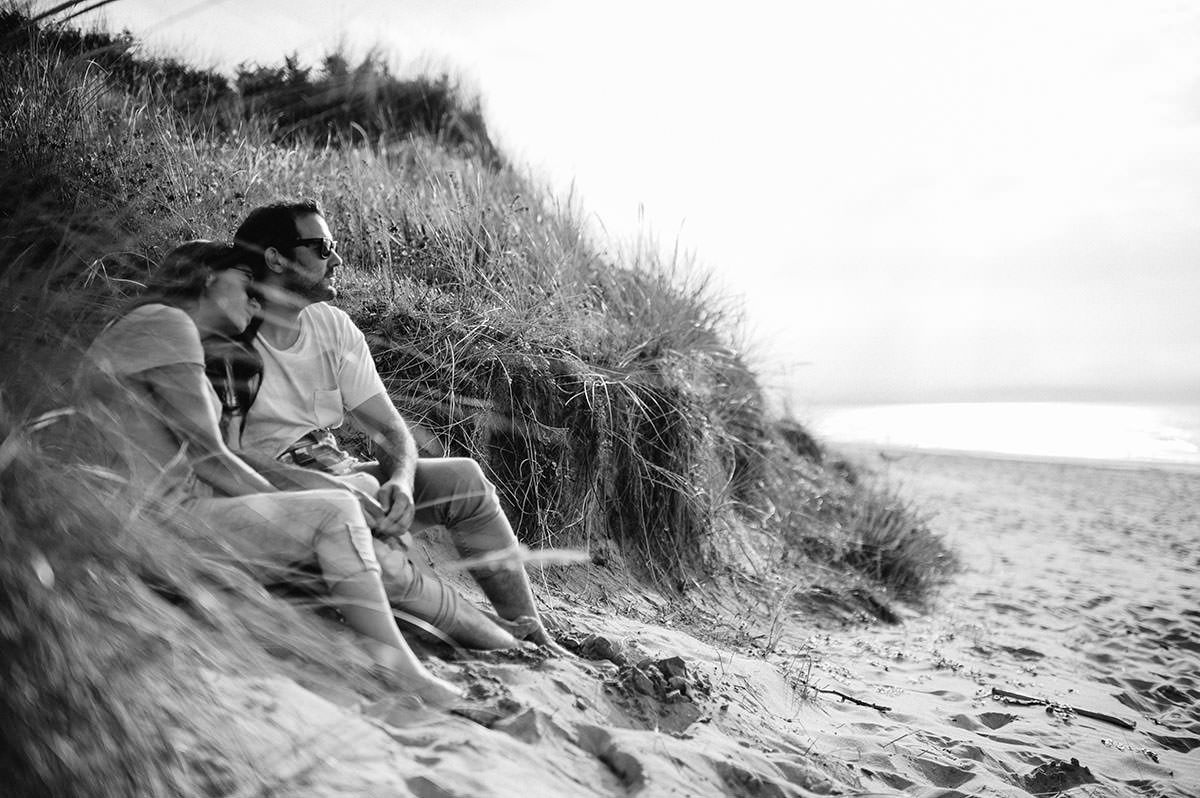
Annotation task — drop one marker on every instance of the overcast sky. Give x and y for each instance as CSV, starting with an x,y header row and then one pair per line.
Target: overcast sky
x,y
915,201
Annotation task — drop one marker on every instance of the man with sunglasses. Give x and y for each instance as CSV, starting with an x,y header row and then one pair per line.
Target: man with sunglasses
x,y
317,372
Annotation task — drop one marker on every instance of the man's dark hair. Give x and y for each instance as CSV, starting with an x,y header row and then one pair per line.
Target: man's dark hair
x,y
274,225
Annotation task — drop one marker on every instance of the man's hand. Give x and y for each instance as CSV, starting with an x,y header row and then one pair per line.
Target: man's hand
x,y
397,455
397,502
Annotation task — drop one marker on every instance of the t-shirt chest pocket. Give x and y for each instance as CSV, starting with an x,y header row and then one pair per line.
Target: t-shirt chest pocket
x,y
327,406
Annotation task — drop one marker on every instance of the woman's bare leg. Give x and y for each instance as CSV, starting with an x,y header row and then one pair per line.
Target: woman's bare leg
x,y
271,530
426,597
363,603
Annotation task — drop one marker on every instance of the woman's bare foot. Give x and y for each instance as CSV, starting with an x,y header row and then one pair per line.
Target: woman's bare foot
x,y
437,692
415,680
427,690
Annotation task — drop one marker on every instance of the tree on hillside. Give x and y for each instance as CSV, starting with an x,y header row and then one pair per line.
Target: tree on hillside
x,y
368,98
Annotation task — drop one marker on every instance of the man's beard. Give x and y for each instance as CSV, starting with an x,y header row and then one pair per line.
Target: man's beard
x,y
322,290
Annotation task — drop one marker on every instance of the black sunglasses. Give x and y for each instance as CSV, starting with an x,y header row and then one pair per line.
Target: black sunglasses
x,y
324,247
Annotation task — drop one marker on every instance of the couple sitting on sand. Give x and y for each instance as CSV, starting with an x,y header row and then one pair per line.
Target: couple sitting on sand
x,y
289,494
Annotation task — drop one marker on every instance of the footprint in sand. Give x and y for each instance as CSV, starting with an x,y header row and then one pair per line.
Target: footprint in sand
x,y
996,720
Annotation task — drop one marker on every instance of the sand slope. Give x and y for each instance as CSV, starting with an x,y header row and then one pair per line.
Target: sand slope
x,y
1080,589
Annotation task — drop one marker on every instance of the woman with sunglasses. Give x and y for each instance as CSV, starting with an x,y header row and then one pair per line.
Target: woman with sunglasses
x,y
146,377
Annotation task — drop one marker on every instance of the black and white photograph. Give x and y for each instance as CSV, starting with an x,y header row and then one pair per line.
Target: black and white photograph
x,y
469,399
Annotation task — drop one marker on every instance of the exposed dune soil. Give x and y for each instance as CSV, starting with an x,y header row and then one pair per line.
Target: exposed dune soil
x,y
1079,592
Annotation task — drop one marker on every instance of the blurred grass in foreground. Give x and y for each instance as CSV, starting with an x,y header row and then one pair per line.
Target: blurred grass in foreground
x,y
606,395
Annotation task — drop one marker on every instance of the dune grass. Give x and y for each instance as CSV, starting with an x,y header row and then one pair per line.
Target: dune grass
x,y
604,394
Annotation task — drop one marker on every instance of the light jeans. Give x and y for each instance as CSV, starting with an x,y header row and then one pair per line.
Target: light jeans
x,y
269,532
451,492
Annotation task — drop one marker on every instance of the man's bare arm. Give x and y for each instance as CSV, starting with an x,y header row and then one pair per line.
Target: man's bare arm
x,y
395,447
397,454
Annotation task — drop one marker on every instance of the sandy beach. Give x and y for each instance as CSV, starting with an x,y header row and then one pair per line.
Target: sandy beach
x,y
1079,590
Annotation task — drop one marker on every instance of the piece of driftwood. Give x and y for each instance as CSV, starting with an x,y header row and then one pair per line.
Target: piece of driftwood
x,y
851,699
1087,713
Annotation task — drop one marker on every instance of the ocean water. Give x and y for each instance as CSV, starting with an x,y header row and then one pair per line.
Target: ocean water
x,y
1126,433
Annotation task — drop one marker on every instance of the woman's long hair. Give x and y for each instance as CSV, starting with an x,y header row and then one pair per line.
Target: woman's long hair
x,y
184,273
233,366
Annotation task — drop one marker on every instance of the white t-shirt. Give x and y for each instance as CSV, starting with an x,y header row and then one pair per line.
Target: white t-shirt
x,y
311,384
